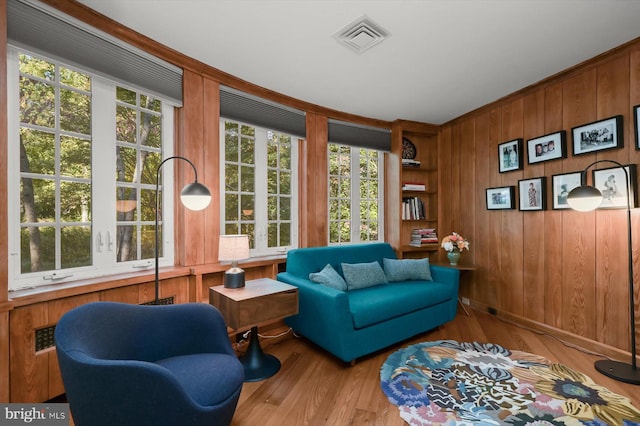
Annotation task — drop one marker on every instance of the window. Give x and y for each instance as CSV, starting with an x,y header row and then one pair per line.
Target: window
x,y
355,195
138,142
82,200
259,195
55,167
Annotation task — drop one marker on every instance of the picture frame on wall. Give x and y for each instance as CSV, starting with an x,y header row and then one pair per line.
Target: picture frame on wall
x,y
532,194
561,185
510,156
611,182
501,198
547,147
636,127
598,136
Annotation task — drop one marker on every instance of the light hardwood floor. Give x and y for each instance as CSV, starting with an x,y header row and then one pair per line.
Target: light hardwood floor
x,y
315,388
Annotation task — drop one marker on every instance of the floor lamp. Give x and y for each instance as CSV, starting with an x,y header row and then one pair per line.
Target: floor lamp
x,y
586,198
194,196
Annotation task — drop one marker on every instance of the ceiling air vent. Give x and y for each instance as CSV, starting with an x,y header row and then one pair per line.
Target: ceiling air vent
x,y
361,34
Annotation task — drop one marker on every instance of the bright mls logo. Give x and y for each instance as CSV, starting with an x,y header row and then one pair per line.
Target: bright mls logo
x,y
36,414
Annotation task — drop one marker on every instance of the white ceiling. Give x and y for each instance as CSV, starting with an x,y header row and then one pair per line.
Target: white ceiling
x,y
443,58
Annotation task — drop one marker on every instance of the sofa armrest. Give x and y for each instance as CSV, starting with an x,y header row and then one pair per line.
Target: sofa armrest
x,y
443,274
320,308
321,293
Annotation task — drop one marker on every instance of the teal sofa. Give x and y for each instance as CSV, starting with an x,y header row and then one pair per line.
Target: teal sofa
x,y
353,323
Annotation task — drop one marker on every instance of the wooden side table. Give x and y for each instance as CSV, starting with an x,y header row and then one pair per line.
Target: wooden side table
x,y
259,302
462,267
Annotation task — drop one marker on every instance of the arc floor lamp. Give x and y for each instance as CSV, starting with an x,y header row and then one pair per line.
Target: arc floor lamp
x,y
194,196
586,198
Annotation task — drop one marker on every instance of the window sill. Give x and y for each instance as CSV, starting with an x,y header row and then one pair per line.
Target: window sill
x,y
73,288
49,292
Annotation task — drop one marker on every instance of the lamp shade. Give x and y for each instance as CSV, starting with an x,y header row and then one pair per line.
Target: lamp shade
x,y
584,198
233,247
195,196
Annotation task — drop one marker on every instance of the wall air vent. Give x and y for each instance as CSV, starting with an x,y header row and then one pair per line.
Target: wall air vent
x,y
44,338
361,34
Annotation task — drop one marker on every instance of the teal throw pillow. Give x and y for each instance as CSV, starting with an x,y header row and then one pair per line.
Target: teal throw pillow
x,y
363,275
407,269
329,277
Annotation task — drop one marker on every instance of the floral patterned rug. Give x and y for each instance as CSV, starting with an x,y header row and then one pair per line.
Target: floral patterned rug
x,y
451,383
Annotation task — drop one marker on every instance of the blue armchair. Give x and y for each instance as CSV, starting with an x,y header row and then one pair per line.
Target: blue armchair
x,y
138,365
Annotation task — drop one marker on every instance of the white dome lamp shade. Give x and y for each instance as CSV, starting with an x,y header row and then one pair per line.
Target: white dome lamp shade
x,y
195,196
584,198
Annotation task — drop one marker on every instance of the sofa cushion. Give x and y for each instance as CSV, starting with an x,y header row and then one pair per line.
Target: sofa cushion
x,y
329,277
407,269
383,302
363,275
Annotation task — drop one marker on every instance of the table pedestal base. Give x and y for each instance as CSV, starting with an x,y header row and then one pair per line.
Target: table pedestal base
x,y
258,365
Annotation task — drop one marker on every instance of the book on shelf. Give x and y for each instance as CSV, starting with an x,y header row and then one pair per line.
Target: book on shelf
x,y
407,162
422,236
413,186
413,208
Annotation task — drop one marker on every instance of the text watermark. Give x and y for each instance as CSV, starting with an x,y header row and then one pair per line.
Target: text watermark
x,y
45,414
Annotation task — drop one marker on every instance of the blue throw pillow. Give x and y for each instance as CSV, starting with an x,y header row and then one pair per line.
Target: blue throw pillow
x,y
329,277
407,269
363,275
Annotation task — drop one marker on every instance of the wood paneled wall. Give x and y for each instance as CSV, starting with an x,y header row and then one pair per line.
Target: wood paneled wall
x,y
314,223
559,268
200,142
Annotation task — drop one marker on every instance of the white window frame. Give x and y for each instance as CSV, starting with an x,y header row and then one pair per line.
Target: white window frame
x,y
166,190
355,199
103,217
261,191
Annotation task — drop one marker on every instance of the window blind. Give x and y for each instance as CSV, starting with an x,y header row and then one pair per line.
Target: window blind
x,y
47,31
241,106
345,133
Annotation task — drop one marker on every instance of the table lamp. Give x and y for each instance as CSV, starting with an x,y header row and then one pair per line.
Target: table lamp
x,y
233,248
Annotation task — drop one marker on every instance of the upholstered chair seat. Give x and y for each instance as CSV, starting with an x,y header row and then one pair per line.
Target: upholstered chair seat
x,y
137,365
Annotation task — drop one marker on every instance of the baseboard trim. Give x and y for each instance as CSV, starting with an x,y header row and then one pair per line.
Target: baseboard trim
x,y
583,343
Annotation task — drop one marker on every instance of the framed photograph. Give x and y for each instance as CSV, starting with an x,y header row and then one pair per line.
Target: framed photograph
x,y
636,127
561,186
532,194
510,156
611,182
501,198
598,136
547,147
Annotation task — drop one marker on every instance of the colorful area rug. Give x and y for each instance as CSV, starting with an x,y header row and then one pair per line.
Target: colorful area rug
x,y
451,383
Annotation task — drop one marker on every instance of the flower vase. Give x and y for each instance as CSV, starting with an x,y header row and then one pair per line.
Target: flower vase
x,y
454,257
